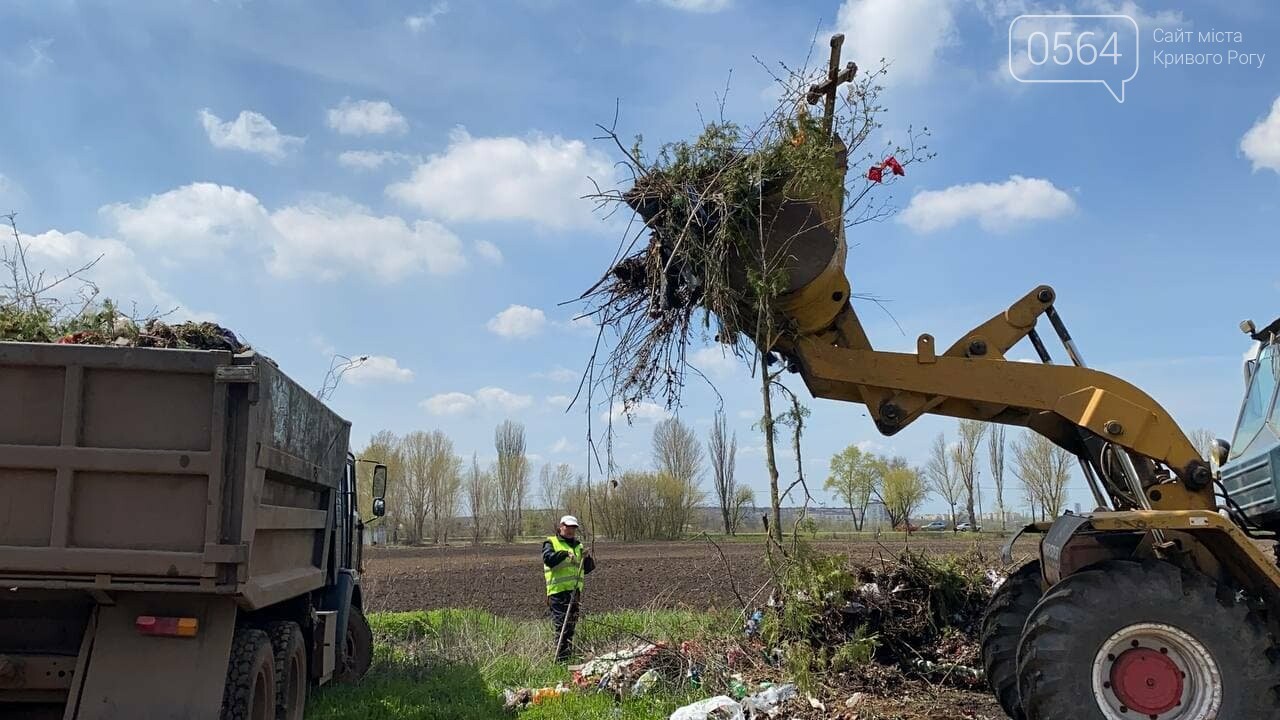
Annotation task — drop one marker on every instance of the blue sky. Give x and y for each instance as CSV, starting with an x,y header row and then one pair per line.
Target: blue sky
x,y
401,180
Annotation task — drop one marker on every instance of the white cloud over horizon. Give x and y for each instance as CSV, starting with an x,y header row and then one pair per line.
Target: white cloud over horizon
x,y
366,117
910,34
1261,144
377,369
250,132
539,179
517,321
995,206
486,398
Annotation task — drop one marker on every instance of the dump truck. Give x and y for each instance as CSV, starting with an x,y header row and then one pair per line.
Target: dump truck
x,y
179,536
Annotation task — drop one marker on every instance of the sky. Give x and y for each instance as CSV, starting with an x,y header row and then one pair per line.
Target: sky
x,y
402,180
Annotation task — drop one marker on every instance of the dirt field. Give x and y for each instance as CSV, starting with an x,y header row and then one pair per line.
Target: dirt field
x,y
507,579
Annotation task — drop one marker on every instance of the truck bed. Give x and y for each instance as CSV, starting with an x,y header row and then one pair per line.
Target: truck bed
x,y
147,469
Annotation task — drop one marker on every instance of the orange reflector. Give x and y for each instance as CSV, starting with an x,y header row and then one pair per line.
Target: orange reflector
x,y
167,626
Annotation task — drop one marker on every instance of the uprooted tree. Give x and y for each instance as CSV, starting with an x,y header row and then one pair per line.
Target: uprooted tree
x,y
715,253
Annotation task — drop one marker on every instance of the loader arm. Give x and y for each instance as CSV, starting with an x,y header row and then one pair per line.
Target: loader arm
x,y
1077,408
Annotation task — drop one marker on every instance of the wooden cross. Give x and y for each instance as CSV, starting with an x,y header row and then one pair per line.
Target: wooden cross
x,y
835,78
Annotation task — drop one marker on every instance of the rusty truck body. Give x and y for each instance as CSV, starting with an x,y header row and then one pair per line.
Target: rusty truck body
x,y
179,536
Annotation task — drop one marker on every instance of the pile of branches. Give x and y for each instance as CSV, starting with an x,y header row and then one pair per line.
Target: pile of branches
x,y
916,614
706,264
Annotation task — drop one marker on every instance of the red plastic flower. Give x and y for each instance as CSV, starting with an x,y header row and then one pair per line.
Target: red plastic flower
x,y
894,165
875,174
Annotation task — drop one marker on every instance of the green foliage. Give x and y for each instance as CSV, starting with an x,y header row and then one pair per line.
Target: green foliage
x,y
43,324
454,664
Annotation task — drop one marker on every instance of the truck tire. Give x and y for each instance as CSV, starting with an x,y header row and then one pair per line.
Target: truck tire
x,y
292,680
250,692
1002,629
357,653
1129,641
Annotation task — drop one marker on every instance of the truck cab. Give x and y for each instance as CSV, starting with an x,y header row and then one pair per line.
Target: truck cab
x,y
1253,458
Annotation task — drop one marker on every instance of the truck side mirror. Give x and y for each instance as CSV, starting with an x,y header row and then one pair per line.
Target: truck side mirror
x,y
379,507
1219,452
379,482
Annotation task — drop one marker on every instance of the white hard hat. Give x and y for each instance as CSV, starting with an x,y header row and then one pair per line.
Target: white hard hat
x,y
569,520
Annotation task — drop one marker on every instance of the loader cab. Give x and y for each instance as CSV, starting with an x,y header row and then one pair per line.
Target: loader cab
x,y
1251,474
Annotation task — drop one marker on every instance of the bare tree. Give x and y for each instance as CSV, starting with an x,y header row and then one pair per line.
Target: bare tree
x,y
724,450
480,493
384,447
418,457
557,483
676,450
446,484
966,463
995,458
1044,469
512,473
942,476
1203,440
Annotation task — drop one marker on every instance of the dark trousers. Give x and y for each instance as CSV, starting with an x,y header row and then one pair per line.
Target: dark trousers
x,y
564,620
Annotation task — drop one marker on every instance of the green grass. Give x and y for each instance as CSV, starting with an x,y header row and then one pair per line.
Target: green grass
x,y
454,664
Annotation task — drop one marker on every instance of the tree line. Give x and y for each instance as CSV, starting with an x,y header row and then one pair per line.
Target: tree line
x,y
436,495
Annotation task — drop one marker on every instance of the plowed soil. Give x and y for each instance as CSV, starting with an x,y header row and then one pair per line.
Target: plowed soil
x,y
507,579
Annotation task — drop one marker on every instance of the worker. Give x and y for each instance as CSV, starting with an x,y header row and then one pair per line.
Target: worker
x,y
564,564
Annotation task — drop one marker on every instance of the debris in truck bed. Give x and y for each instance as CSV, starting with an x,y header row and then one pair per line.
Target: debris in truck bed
x,y
108,327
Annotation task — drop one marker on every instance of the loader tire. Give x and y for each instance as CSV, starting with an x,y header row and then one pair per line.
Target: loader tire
x,y
250,692
292,680
357,653
1128,641
1002,629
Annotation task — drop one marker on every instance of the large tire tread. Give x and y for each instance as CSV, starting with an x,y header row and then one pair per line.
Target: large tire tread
x,y
1002,630
250,650
286,641
1055,655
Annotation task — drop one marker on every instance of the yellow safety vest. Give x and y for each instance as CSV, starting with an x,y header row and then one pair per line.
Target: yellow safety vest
x,y
567,575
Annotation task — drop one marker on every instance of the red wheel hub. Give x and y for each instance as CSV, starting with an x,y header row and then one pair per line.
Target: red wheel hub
x,y
1147,681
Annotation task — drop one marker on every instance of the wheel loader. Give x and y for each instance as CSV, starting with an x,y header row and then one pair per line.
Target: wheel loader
x,y
1158,604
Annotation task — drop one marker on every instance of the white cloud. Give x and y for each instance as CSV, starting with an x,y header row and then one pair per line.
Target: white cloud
x,y
562,446
996,206
488,251
453,403
499,399
908,33
1262,143
537,179
560,402
371,159
488,398
378,369
870,446
715,361
418,23
330,238
117,272
195,221
641,412
518,321
366,117
698,6
251,132
558,374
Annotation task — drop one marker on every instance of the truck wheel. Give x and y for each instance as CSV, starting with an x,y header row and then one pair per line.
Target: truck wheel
x,y
250,693
357,654
290,652
1002,629
1129,641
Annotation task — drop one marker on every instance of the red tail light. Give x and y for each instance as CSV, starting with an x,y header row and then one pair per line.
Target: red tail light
x,y
167,626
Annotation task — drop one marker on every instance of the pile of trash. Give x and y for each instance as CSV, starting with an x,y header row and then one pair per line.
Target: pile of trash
x,y
916,614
